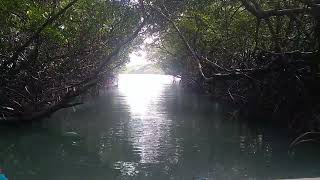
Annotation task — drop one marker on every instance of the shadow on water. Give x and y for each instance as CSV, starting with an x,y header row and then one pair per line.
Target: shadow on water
x,y
152,132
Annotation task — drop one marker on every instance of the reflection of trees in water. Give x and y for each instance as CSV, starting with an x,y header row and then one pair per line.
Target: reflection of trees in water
x,y
35,155
200,140
71,145
105,127
209,143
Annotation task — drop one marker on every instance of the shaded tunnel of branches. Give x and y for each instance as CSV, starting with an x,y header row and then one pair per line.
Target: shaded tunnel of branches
x,y
253,53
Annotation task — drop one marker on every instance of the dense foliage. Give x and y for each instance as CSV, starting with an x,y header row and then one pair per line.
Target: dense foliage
x,y
51,51
263,55
260,54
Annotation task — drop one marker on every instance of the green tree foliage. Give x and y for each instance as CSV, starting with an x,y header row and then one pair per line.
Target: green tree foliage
x,y
253,49
260,53
51,48
225,32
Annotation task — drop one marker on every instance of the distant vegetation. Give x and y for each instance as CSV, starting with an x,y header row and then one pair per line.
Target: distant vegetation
x,y
143,69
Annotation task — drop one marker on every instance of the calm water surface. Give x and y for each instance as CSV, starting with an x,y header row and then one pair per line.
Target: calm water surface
x,y
149,128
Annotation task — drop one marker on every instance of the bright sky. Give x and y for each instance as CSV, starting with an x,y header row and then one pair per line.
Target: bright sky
x,y
139,57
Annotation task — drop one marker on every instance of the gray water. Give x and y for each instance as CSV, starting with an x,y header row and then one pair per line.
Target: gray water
x,y
149,128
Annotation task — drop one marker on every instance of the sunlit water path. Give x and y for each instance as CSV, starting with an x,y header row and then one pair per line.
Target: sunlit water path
x,y
149,128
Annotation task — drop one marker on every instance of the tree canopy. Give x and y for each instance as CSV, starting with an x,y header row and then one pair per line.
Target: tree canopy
x,y
52,51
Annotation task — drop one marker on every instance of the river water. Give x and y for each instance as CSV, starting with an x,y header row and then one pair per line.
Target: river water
x,y
150,128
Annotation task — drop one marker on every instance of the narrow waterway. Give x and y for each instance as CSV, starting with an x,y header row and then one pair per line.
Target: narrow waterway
x,y
150,129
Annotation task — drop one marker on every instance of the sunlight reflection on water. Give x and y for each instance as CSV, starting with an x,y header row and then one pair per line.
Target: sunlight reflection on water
x,y
148,126
142,91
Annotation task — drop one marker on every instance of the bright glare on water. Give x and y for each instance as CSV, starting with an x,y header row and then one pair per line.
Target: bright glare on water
x,y
148,128
142,92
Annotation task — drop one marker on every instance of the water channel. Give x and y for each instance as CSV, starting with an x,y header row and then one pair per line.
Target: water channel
x,y
150,128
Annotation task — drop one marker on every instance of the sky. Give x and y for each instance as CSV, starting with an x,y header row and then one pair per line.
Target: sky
x,y
139,57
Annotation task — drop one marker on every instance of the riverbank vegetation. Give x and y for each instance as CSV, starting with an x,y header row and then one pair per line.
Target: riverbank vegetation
x,y
260,55
53,51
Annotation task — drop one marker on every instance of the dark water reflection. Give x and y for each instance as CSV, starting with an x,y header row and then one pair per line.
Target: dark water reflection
x,y
155,132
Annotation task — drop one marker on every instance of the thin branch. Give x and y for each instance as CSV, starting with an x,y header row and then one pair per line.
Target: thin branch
x,y
186,43
256,39
300,138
